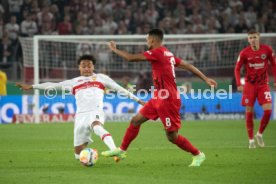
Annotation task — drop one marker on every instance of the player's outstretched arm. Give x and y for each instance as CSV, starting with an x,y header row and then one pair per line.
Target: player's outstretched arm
x,y
24,86
37,86
141,102
123,91
66,84
113,85
129,57
187,66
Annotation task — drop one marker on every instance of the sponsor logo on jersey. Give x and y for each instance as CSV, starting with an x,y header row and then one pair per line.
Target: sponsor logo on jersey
x,y
87,85
257,65
263,56
167,53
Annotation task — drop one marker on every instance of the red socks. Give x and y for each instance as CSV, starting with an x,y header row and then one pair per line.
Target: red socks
x,y
249,124
265,120
185,144
263,124
131,133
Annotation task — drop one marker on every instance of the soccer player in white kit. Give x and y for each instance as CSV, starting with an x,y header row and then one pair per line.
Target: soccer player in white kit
x,y
88,90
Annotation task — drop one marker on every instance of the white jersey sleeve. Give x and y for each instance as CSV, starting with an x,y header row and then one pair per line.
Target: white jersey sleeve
x,y
67,85
111,84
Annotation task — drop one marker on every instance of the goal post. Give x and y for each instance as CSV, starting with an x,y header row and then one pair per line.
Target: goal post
x,y
53,57
36,77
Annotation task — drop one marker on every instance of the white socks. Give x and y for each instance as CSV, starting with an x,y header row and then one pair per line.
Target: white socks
x,y
105,136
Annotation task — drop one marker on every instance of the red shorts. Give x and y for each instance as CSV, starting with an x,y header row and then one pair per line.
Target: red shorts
x,y
251,92
167,110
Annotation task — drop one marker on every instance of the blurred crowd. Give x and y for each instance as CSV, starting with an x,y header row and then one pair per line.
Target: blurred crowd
x,y
86,17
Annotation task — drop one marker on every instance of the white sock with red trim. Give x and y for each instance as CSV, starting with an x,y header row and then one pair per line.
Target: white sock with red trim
x,y
105,136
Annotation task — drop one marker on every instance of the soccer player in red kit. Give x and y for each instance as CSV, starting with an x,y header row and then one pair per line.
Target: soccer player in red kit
x,y
256,58
165,103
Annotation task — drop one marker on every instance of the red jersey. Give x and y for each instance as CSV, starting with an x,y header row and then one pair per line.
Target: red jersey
x,y
256,65
163,63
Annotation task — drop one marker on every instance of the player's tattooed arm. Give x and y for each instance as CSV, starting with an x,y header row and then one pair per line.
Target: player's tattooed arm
x,y
187,66
129,57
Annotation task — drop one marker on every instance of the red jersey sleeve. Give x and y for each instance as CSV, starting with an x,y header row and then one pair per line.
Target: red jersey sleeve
x,y
239,64
150,55
271,58
177,61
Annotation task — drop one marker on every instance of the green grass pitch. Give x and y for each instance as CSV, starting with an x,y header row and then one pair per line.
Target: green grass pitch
x,y
43,153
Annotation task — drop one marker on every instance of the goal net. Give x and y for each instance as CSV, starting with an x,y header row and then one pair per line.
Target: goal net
x,y
57,55
54,57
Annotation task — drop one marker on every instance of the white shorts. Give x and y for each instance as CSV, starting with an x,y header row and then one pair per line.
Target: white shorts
x,y
82,126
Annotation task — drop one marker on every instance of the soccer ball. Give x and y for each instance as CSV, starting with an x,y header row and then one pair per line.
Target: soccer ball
x,y
88,156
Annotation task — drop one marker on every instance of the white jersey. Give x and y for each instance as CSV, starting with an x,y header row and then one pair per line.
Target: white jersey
x,y
88,91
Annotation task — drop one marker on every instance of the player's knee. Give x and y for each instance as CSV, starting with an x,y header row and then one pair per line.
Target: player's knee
x,y
95,123
138,120
171,136
135,121
171,139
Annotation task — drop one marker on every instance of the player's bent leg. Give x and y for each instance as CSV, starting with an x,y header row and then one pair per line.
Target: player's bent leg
x,y
172,136
182,142
106,137
103,134
133,130
185,145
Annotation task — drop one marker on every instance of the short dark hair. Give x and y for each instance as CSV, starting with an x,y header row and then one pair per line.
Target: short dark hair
x,y
252,31
157,33
87,57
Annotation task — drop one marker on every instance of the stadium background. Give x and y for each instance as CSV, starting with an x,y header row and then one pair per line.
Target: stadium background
x,y
26,18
